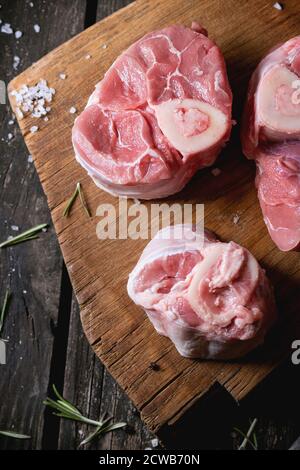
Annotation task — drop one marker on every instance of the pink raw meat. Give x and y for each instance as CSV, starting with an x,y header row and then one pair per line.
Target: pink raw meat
x,y
212,299
162,112
271,135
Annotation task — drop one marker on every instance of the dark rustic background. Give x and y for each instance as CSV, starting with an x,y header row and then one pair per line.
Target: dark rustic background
x,y
46,343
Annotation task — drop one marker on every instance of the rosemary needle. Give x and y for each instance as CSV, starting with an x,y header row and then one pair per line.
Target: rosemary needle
x,y
87,210
29,234
4,309
65,409
15,435
78,191
70,202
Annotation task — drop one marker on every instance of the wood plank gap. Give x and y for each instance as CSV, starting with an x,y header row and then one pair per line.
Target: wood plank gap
x,y
90,13
58,360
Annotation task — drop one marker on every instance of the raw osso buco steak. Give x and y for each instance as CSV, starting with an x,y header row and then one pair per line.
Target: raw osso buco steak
x,y
161,112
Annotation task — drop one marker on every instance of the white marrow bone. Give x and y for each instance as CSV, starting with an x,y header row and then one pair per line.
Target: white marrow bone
x,y
277,104
191,126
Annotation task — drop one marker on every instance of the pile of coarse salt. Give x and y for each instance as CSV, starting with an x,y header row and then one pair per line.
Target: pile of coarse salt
x,y
33,99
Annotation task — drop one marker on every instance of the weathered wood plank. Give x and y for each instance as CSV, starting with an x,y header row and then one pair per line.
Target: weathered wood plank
x,y
31,271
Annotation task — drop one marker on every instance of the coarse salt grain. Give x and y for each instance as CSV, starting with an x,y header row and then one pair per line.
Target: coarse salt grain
x,y
37,28
16,62
104,46
15,228
31,4
6,28
34,129
88,56
73,110
10,122
30,159
18,34
278,6
62,76
236,219
46,119
9,136
216,171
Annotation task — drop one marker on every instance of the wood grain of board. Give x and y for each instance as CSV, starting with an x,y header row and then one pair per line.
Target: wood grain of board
x,y
118,331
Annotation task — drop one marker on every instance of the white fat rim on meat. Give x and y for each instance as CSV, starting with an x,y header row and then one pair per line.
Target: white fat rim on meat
x,y
139,191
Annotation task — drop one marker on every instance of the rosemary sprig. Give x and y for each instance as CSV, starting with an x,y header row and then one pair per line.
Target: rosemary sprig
x,y
247,436
65,409
78,191
30,234
4,310
15,435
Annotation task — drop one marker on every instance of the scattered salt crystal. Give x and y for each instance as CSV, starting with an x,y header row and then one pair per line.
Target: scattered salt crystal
x,y
15,228
31,4
88,56
278,6
34,129
73,110
20,342
80,432
216,171
16,62
44,229
46,119
154,442
37,28
30,159
32,99
104,46
63,76
18,34
6,28
148,448
24,291
13,270
10,122
10,237
236,219
21,358
9,136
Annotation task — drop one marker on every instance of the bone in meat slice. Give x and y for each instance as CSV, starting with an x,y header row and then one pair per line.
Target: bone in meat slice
x,y
161,113
271,136
212,299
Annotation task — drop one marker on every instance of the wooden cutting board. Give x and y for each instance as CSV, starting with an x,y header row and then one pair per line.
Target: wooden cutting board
x,y
119,331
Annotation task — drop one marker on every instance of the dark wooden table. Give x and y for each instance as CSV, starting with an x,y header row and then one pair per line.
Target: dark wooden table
x,y
46,344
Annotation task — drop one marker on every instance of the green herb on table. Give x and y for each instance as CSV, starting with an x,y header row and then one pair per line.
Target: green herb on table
x,y
77,192
65,409
15,435
30,234
4,310
247,436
